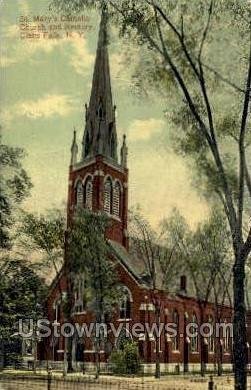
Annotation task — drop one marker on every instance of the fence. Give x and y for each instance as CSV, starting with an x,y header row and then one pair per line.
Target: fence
x,y
108,369
53,382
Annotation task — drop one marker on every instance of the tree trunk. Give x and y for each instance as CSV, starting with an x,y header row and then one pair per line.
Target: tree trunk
x,y
219,357
1,354
201,339
240,336
69,354
202,360
35,356
157,366
65,357
97,357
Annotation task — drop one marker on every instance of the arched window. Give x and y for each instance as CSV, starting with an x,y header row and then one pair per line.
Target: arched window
x,y
194,334
125,305
116,199
80,294
175,340
211,334
88,190
108,196
79,194
100,111
56,306
227,337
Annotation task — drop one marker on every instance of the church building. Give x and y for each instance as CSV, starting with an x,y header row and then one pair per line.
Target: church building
x,y
98,181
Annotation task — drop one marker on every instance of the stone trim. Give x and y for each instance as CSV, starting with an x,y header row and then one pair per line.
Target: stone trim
x,y
83,164
113,165
99,172
124,319
147,307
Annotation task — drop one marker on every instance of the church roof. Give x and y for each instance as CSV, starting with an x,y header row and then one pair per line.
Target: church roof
x,y
132,264
135,265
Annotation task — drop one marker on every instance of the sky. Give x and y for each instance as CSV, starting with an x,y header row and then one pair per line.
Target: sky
x,y
44,86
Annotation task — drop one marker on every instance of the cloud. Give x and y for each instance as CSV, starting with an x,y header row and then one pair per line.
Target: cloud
x,y
160,181
82,59
143,130
120,71
79,56
45,107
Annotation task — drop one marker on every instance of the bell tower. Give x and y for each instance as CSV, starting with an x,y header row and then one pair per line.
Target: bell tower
x,y
99,181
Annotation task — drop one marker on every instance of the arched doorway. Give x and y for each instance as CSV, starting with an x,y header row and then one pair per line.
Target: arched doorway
x,y
78,354
205,353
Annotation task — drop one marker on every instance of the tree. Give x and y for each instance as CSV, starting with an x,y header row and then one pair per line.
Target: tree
x,y
22,293
87,253
205,256
14,188
44,234
187,43
160,265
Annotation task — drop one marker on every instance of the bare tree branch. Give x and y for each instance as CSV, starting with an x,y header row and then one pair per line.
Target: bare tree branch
x,y
205,32
247,176
211,140
222,78
179,35
242,147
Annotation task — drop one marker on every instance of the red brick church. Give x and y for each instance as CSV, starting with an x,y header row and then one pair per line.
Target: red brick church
x,y
98,180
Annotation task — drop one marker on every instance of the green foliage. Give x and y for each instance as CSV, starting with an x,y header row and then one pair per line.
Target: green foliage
x,y
14,188
157,253
214,48
22,293
118,363
225,49
126,361
87,253
45,234
46,231
204,254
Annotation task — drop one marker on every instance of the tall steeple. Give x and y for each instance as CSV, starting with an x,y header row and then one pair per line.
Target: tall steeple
x,y
100,135
99,182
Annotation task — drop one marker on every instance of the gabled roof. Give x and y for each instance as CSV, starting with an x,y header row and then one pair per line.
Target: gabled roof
x,y
135,265
137,269
132,265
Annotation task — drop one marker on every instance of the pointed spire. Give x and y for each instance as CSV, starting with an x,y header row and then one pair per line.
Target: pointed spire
x,y
100,135
124,153
74,149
